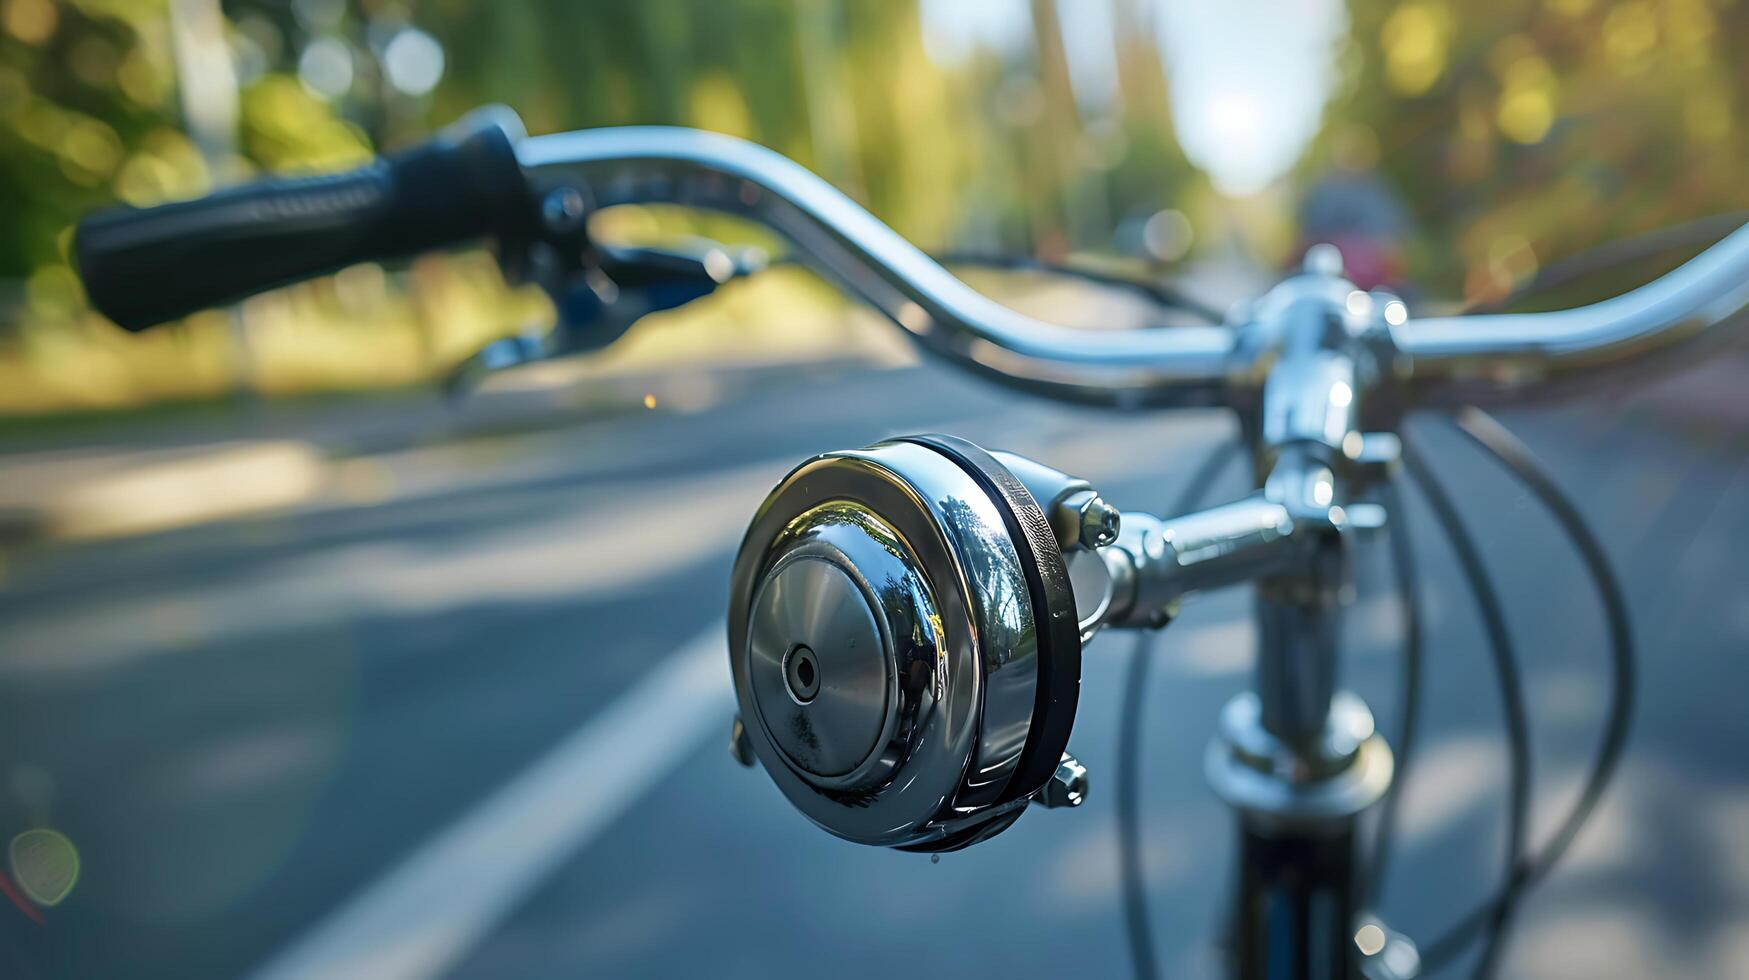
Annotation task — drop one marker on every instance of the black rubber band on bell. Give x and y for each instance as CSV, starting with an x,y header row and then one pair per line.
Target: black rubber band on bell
x,y
1053,609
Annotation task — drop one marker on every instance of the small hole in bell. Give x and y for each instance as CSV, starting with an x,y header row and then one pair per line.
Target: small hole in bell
x,y
801,674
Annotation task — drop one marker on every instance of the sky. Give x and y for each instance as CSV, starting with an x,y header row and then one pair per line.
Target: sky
x,y
1249,78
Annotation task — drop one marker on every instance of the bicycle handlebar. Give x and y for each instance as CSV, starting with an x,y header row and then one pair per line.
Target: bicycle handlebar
x,y
847,244
144,266
1480,358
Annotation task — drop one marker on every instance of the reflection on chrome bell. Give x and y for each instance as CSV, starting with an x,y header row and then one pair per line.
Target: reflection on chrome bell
x,y
904,644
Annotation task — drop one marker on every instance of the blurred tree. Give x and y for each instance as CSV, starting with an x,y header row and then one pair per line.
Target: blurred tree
x,y
98,102
102,99
1147,171
81,94
844,87
146,101
1519,133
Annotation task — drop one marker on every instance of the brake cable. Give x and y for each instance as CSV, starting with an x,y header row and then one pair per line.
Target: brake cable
x,y
1129,740
1523,871
1506,667
1408,579
1511,452
1158,293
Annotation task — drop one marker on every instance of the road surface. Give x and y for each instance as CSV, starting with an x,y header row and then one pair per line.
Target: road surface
x,y
468,718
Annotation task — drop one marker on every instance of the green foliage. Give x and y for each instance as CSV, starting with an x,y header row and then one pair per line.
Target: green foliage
x,y
78,93
145,101
1518,133
1512,133
94,104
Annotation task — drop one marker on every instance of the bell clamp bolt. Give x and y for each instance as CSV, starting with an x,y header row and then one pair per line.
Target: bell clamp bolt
x,y
740,748
1078,515
1068,785
1095,523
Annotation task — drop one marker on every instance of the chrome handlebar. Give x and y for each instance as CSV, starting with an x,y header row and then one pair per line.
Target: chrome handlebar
x,y
1438,360
1478,358
837,237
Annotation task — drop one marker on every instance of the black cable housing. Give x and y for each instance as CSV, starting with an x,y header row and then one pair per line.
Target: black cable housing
x,y
1129,741
1409,601
1499,442
1506,667
1158,293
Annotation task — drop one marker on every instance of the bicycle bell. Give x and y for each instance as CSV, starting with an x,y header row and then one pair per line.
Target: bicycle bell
x,y
904,639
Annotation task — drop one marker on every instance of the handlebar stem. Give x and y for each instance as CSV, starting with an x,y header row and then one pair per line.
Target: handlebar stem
x,y
1156,562
1291,535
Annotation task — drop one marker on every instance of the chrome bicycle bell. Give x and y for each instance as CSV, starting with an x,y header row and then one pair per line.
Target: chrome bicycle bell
x,y
904,641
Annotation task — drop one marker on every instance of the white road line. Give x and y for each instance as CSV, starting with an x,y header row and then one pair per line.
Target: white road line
x,y
427,913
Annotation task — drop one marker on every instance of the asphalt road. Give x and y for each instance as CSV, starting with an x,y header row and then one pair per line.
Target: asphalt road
x,y
248,726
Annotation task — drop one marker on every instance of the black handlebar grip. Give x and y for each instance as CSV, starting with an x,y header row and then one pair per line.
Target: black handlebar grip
x,y
144,266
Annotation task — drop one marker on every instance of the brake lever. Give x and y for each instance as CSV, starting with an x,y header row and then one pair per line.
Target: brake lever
x,y
632,283
598,291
